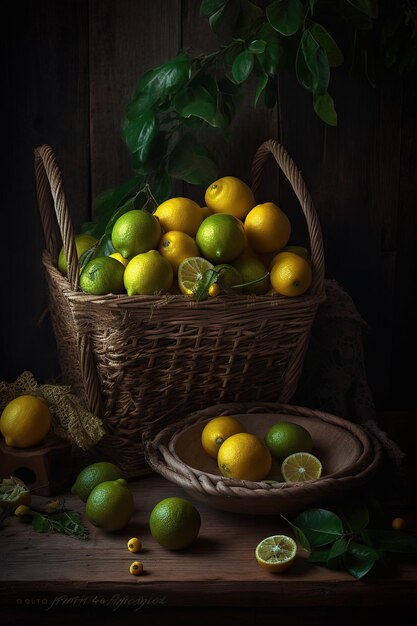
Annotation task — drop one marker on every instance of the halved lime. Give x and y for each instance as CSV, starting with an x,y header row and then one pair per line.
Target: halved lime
x,y
190,272
276,553
301,467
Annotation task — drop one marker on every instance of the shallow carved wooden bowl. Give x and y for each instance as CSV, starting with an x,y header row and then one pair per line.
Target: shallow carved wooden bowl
x,y
349,454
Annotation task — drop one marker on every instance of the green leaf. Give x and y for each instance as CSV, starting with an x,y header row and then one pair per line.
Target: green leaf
x,y
358,568
324,107
40,524
105,246
319,556
262,83
209,278
286,16
326,41
224,21
368,7
192,162
361,551
242,66
208,7
391,540
163,80
312,65
339,547
257,46
139,133
197,101
312,3
299,535
320,526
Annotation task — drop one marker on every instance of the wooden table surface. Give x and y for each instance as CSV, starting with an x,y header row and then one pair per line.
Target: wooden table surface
x,y
56,571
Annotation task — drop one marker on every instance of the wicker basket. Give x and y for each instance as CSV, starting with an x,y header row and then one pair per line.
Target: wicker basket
x,y
137,361
350,456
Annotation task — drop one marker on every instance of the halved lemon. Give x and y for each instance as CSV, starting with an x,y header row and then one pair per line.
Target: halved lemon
x,y
301,467
190,272
276,553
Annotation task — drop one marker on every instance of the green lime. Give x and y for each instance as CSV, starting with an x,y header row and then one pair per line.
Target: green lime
x,y
110,505
135,232
286,438
254,271
102,275
82,243
221,238
174,523
93,475
229,276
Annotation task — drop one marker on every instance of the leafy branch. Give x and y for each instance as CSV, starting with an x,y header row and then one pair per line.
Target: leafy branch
x,y
182,106
343,540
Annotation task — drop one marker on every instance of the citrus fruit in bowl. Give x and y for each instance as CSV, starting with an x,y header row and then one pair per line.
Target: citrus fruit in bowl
x,y
285,438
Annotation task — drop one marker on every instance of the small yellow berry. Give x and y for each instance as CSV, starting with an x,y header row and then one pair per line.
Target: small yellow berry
x,y
134,545
22,511
399,523
136,568
214,290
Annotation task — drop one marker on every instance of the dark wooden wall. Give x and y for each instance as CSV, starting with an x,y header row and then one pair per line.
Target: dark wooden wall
x,y
70,67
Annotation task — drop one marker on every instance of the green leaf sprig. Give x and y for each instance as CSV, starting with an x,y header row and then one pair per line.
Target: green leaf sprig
x,y
53,517
343,540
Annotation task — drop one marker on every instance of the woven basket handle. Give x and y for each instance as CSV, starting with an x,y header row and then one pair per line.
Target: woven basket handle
x,y
54,211
292,173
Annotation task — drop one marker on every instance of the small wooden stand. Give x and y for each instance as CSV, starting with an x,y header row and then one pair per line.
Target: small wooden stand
x,y
46,469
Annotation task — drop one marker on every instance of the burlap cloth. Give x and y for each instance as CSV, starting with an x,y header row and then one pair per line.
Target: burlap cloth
x,y
333,380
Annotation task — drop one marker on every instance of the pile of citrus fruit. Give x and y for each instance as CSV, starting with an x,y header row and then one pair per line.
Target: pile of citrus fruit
x,y
245,456
169,250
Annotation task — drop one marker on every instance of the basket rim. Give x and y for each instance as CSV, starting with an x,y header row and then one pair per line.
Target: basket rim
x,y
206,483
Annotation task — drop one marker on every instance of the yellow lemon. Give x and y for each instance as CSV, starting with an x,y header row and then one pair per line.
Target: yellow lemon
x,y
147,274
101,276
276,553
120,258
25,421
301,467
300,250
135,232
230,195
175,246
267,228
217,430
245,457
291,274
82,244
206,212
221,238
254,271
180,214
190,272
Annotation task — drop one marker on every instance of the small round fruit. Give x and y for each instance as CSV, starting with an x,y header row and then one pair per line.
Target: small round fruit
x,y
180,214
285,438
291,274
101,276
147,274
25,421
267,228
174,523
245,457
136,568
276,554
221,238
230,195
82,244
134,545
301,467
214,290
135,232
93,475
217,430
110,505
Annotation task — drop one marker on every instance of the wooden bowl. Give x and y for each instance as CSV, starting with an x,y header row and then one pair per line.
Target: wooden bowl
x,y
349,454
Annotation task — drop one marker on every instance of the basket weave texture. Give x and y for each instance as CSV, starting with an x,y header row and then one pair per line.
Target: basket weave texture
x,y
137,361
350,455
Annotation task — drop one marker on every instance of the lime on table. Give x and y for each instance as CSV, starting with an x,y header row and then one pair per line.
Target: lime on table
x,y
174,523
276,553
110,505
93,475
